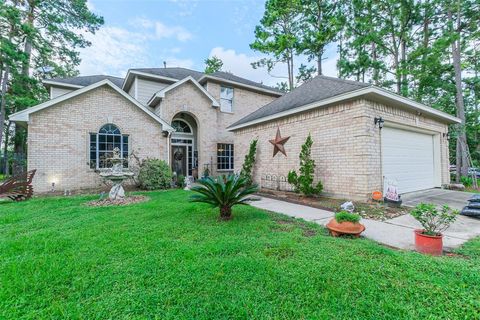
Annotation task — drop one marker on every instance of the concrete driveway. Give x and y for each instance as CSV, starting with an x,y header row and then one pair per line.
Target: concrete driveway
x,y
454,199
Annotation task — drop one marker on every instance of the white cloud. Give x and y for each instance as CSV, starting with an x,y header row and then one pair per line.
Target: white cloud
x,y
160,30
163,31
90,5
240,65
114,50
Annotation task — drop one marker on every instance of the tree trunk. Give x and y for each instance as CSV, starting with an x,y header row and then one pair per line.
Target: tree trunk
x,y
225,213
403,64
5,147
426,41
319,62
462,147
376,74
3,102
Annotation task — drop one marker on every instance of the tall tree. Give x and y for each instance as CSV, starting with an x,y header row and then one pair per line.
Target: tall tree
x,y
51,33
321,22
213,64
277,35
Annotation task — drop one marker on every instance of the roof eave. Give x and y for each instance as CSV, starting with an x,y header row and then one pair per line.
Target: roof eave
x,y
207,77
48,83
351,95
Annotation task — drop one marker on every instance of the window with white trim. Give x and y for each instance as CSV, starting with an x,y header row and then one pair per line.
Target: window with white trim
x,y
225,156
102,144
226,99
181,126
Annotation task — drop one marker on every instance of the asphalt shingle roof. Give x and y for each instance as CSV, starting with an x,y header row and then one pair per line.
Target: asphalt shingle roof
x,y
181,73
314,90
88,80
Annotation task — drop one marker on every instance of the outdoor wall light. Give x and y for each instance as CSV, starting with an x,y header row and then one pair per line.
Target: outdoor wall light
x,y
165,133
53,187
379,121
446,135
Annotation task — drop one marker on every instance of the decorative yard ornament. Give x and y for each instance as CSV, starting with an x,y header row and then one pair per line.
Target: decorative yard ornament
x,y
278,143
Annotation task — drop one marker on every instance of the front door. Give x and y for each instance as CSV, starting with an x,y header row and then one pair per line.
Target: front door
x,y
179,160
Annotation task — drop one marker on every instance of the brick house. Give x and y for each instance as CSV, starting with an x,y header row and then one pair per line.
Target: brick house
x,y
196,121
175,114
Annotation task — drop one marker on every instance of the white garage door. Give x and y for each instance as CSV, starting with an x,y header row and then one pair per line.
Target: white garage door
x,y
408,159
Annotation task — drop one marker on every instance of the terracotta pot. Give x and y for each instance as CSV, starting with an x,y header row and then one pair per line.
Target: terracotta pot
x,y
377,195
432,245
346,227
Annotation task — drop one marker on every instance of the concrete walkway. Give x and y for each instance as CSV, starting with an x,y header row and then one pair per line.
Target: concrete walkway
x,y
454,199
397,232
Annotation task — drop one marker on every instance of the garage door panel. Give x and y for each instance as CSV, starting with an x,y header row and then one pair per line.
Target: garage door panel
x,y
408,159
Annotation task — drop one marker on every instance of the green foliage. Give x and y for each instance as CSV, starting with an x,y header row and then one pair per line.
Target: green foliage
x,y
345,216
154,174
180,181
224,192
434,220
38,39
249,163
277,35
466,181
303,182
321,22
213,64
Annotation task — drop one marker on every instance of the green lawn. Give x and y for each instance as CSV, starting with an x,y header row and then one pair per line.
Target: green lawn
x,y
171,259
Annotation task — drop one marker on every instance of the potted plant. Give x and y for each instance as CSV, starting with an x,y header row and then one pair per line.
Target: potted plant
x,y
345,222
434,221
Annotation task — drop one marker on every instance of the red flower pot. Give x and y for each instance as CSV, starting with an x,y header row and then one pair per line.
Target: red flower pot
x,y
336,229
427,244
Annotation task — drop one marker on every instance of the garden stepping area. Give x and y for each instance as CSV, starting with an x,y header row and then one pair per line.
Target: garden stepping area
x,y
396,232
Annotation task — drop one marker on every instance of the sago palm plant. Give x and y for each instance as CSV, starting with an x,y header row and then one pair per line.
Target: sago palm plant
x,y
224,192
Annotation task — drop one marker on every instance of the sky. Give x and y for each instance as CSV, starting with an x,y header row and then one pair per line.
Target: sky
x,y
183,33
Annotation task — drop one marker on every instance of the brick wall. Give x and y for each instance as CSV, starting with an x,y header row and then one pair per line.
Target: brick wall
x,y
345,149
58,137
211,122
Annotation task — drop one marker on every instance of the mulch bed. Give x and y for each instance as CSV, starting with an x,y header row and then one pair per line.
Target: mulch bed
x,y
370,210
119,202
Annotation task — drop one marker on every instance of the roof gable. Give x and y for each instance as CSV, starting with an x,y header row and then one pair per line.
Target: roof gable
x,y
161,94
23,116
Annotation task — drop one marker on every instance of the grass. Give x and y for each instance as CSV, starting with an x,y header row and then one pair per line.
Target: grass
x,y
171,259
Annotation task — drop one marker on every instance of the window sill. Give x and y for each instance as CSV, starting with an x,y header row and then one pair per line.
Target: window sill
x,y
224,170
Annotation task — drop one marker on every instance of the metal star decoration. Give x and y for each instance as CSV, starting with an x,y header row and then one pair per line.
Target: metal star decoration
x,y
278,143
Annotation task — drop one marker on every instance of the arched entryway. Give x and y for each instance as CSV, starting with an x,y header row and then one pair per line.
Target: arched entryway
x,y
184,151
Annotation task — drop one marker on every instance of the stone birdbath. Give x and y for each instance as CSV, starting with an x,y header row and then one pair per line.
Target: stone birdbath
x,y
117,175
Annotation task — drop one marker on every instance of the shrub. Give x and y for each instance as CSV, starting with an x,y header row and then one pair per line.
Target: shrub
x,y
433,220
154,174
303,182
466,181
345,216
249,162
180,181
224,193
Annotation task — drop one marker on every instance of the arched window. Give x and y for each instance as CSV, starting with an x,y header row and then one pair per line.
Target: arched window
x,y
102,144
181,126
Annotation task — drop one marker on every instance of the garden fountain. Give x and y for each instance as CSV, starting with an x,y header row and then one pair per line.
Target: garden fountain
x,y
117,174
